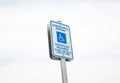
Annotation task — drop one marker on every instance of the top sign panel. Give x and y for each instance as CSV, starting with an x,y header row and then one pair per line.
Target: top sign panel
x,y
61,40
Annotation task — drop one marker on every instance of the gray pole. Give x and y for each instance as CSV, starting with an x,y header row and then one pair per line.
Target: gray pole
x,y
64,71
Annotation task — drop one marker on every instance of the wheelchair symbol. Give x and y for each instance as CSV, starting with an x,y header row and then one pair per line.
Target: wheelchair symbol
x,y
61,37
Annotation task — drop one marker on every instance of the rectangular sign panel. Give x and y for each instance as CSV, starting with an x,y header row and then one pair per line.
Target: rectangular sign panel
x,y
61,45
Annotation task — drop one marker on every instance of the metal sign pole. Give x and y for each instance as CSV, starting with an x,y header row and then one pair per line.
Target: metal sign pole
x,y
63,70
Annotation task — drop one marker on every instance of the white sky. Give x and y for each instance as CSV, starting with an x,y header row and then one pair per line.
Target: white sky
x,y
95,30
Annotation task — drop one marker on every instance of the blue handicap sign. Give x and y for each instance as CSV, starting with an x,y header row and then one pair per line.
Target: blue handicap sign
x,y
61,37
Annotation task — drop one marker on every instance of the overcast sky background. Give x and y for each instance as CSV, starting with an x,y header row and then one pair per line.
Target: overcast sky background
x,y
95,30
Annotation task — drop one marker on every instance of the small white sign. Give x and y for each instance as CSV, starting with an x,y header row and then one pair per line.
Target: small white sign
x,y
61,40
